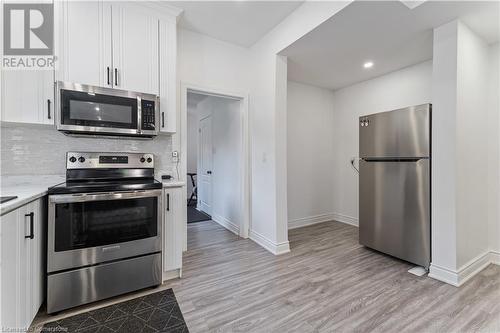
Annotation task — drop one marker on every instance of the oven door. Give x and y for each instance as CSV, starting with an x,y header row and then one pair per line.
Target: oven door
x,y
90,109
87,229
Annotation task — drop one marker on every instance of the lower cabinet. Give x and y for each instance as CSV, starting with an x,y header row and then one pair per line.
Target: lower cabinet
x,y
172,232
21,265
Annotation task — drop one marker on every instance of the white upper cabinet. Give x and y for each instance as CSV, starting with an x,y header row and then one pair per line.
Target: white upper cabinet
x,y
108,44
28,96
168,76
135,50
83,46
122,45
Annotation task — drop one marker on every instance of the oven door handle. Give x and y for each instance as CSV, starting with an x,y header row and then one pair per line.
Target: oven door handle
x,y
99,196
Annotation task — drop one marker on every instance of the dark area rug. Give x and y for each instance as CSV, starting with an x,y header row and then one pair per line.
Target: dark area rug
x,y
157,312
194,215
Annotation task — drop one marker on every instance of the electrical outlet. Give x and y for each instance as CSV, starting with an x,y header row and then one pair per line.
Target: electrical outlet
x,y
175,156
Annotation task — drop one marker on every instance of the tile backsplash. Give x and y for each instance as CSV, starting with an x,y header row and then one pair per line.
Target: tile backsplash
x,y
41,149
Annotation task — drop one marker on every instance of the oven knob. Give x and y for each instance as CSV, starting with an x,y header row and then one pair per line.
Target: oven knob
x,y
81,159
72,159
143,159
150,160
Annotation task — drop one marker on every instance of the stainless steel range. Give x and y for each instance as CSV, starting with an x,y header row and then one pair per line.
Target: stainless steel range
x,y
104,229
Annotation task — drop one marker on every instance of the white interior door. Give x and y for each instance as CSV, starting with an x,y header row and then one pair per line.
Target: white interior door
x,y
205,165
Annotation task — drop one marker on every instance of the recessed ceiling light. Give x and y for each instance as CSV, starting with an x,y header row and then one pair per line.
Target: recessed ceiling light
x,y
368,64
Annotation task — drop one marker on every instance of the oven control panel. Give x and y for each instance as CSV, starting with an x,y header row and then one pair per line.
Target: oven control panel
x,y
91,160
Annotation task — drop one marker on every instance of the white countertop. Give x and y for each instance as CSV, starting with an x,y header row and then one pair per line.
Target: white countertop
x,y
27,188
173,183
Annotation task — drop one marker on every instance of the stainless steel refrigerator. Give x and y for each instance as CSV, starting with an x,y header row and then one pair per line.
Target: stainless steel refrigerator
x,y
395,183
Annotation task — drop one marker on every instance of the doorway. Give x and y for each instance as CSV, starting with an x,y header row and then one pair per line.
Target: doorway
x,y
216,159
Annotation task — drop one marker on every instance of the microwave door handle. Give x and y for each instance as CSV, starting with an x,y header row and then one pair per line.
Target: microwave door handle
x,y
108,75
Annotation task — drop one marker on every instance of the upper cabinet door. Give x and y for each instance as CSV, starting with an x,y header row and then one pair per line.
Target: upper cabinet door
x,y
84,43
135,49
28,96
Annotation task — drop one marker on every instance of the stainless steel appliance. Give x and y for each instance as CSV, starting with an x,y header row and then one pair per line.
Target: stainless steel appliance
x,y
394,183
83,109
104,229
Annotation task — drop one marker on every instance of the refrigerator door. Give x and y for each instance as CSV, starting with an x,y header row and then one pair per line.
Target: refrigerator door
x,y
394,208
396,134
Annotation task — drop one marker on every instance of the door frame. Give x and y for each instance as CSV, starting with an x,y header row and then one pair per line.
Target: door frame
x,y
186,87
199,153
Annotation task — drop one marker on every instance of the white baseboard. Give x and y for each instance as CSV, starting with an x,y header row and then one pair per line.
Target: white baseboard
x,y
495,257
467,271
234,228
310,220
354,221
269,245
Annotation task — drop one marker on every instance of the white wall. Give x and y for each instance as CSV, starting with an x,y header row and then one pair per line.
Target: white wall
x,y
444,90
211,63
472,146
465,153
268,114
493,150
310,154
406,87
226,154
206,62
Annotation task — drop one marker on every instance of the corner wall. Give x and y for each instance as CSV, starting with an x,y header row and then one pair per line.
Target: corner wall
x,y
494,153
310,154
268,116
323,137
406,87
465,172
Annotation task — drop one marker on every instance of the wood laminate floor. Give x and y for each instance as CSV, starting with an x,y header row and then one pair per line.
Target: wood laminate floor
x,y
328,283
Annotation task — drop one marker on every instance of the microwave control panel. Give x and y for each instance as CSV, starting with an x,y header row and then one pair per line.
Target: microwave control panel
x,y
148,115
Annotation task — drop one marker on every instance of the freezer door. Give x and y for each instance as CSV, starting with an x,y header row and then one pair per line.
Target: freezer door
x,y
398,133
394,208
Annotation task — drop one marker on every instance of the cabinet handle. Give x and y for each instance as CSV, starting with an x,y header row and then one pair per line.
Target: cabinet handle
x,y
48,109
168,202
163,119
116,76
31,235
108,75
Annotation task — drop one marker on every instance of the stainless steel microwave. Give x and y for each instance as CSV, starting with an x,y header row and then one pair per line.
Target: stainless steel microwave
x,y
84,109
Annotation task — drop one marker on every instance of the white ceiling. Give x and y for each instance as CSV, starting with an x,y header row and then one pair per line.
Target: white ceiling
x,y
387,33
238,22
